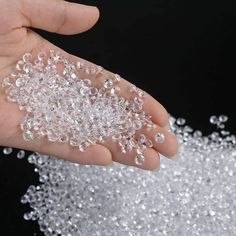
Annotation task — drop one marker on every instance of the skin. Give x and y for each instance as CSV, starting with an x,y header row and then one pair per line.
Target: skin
x,y
66,18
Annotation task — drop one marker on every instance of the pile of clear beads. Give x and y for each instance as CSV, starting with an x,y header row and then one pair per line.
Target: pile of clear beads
x,y
195,196
61,103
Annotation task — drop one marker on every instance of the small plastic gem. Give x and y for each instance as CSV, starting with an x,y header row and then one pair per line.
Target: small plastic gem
x,y
159,137
20,82
137,124
223,118
20,154
181,121
115,90
27,57
19,65
42,56
79,65
213,119
108,83
142,139
149,143
100,69
6,83
27,68
7,150
73,76
139,159
117,78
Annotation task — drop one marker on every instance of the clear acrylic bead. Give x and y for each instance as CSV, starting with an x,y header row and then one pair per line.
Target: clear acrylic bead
x,y
159,137
139,159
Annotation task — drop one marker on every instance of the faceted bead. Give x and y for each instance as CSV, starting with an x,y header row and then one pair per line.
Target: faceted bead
x,y
52,137
180,121
19,65
93,91
27,216
79,65
133,142
101,138
142,139
159,137
115,90
117,77
84,91
149,143
20,82
100,69
56,57
87,82
116,137
139,159
20,154
27,135
74,142
93,70
108,83
133,88
12,96
63,138
6,83
213,119
27,57
27,67
141,93
42,56
126,148
83,146
137,124
223,118
138,100
87,71
73,76
7,151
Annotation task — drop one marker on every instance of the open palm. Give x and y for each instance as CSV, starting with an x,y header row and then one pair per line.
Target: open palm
x,y
16,39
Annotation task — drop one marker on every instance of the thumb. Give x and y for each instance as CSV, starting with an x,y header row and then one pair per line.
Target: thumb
x,y
58,16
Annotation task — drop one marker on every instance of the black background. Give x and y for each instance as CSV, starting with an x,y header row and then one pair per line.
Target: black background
x,y
181,52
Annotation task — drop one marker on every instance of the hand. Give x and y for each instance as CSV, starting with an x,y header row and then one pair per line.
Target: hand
x,y
16,39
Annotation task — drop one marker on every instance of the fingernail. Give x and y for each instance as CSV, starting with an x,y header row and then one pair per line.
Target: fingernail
x,y
175,157
109,165
157,169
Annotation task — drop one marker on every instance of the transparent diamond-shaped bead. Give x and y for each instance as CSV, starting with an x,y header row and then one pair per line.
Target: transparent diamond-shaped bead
x,y
83,146
7,150
27,57
108,83
117,77
6,83
115,90
42,56
142,139
79,65
139,159
27,135
20,154
21,81
137,124
159,137
148,143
